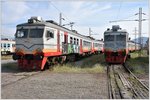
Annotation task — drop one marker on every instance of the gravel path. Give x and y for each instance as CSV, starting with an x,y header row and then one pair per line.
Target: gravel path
x,y
49,85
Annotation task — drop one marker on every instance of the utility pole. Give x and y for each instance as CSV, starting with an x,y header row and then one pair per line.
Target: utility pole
x,y
140,28
71,24
60,19
140,25
135,36
90,32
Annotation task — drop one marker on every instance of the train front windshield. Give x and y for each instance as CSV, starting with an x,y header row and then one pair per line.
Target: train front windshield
x,y
120,37
31,33
115,42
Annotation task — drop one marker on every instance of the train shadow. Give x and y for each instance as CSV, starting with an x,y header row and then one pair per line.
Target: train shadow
x,y
13,68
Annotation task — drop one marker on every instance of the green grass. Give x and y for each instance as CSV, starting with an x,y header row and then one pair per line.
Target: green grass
x,y
95,59
139,65
93,64
68,68
136,54
6,57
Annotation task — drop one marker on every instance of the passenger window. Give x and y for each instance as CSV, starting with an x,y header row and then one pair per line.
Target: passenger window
x,y
70,40
74,40
8,45
50,34
77,41
5,45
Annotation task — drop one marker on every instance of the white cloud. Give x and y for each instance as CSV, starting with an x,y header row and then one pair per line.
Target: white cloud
x,y
13,11
90,13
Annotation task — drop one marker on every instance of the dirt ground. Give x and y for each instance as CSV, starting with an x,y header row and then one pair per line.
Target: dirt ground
x,y
49,85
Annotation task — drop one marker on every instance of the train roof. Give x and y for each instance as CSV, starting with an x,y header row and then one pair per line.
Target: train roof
x,y
115,29
51,23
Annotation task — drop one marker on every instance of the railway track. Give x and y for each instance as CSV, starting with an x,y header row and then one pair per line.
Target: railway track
x,y
123,84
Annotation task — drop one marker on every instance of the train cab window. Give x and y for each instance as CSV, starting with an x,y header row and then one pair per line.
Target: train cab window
x,y
71,40
109,38
22,33
36,33
74,40
50,34
120,37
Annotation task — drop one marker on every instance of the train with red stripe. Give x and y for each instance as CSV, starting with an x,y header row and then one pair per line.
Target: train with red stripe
x,y
117,46
42,43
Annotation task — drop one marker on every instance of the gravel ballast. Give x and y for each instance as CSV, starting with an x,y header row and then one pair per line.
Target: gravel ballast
x,y
50,85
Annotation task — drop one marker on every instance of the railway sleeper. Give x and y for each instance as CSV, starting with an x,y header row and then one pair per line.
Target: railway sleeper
x,y
125,93
137,88
114,88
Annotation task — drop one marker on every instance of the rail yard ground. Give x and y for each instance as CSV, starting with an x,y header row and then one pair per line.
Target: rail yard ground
x,y
140,66
86,79
6,57
83,79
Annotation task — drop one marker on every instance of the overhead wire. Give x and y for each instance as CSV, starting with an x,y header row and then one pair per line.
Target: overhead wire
x,y
59,10
120,5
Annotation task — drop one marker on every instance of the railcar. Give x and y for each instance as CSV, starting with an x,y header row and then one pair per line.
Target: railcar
x,y
115,45
40,43
131,46
98,46
7,46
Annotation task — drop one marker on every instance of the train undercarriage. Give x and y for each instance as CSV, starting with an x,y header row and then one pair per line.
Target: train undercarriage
x,y
40,62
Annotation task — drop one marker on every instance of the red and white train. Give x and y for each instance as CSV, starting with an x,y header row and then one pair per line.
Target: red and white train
x,y
40,43
117,46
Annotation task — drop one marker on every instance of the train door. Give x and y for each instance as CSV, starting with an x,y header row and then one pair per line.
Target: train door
x,y
92,47
65,44
58,41
65,38
80,45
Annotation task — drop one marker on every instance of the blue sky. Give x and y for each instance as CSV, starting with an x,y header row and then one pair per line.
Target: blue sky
x,y
85,13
